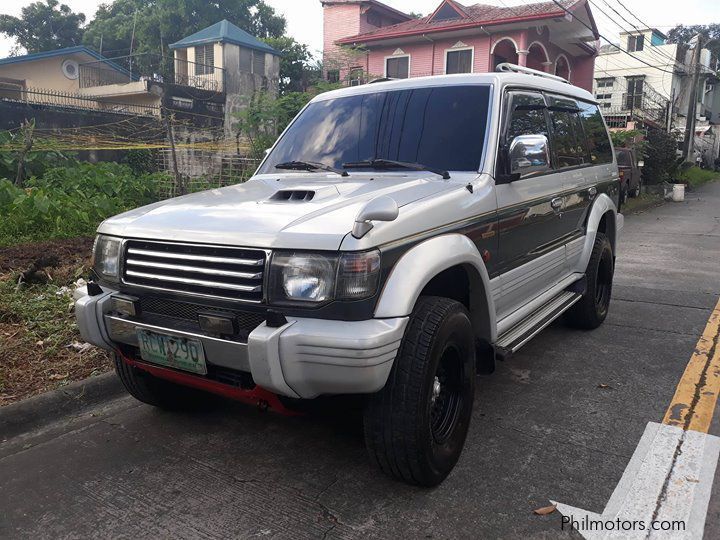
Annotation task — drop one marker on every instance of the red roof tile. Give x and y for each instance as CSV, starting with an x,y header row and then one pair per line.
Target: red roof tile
x,y
477,15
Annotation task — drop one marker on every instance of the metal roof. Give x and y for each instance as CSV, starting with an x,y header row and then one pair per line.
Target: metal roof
x,y
50,54
224,32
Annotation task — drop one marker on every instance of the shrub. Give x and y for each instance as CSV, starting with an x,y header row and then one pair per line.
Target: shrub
x,y
71,201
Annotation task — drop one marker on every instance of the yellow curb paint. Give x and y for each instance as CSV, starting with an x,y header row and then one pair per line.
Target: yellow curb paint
x,y
693,404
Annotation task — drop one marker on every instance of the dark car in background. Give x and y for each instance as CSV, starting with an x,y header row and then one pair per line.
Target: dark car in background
x,y
630,171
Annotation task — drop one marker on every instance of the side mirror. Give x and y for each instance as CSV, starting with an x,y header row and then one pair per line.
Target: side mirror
x,y
382,208
529,154
641,163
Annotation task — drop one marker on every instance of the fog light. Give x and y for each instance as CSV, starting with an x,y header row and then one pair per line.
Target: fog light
x,y
216,324
126,305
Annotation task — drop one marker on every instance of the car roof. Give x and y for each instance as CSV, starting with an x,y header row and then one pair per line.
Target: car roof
x,y
498,79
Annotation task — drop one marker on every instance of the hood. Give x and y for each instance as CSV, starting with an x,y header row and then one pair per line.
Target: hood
x,y
308,211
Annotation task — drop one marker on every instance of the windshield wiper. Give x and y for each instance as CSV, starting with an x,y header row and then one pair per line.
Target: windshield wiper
x,y
390,163
310,166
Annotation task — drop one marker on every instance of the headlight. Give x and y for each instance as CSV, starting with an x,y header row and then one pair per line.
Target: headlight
x,y
313,278
106,257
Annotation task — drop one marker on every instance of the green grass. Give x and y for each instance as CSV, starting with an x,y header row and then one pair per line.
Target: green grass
x,y
645,200
695,176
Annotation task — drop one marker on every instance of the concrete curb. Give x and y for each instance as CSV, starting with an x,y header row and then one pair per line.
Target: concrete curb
x,y
43,409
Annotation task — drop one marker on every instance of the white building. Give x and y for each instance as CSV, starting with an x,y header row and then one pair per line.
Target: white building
x,y
653,80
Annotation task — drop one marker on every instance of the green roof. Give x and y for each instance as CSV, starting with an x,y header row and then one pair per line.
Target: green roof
x,y
224,32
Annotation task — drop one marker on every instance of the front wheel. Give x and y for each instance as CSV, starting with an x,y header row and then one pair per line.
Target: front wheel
x,y
415,427
590,311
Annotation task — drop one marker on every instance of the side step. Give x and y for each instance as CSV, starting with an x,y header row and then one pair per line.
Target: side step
x,y
533,324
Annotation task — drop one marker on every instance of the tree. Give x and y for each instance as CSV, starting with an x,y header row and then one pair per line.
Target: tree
x,y
43,26
298,70
158,23
683,34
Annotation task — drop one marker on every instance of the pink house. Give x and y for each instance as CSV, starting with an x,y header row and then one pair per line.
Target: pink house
x,y
365,39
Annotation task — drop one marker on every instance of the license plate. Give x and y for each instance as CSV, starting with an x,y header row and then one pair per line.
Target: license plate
x,y
171,351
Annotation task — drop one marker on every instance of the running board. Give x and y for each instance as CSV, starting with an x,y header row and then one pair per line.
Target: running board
x,y
517,336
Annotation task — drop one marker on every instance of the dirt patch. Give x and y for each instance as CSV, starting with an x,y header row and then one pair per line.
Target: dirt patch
x,y
71,252
40,346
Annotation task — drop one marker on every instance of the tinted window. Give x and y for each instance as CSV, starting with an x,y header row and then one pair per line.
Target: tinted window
x,y
568,140
527,116
597,136
623,158
442,127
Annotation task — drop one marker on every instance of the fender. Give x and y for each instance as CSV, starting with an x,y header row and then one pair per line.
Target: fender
x,y
423,262
600,207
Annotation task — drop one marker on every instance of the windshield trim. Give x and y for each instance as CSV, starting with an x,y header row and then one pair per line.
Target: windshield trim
x,y
483,154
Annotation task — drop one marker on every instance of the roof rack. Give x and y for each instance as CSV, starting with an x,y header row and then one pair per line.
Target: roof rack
x,y
514,68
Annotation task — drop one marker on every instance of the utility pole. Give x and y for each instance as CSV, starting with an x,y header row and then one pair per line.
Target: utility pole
x,y
179,183
688,143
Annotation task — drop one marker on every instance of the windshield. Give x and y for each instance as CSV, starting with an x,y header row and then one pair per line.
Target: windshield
x,y
441,127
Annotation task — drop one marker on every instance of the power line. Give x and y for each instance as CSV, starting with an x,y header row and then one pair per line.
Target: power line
x,y
610,42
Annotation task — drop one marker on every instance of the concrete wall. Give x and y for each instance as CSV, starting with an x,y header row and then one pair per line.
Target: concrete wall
x,y
45,73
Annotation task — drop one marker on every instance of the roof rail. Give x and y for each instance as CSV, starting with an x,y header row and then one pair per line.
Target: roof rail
x,y
508,67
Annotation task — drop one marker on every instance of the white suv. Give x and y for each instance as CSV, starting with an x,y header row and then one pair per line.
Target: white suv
x,y
398,238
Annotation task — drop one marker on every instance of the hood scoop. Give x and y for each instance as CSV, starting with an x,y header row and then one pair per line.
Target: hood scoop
x,y
293,195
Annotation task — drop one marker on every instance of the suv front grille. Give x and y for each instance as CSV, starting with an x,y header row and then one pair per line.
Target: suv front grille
x,y
224,272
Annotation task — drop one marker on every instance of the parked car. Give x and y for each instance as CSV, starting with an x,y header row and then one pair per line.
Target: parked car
x,y
630,169
397,239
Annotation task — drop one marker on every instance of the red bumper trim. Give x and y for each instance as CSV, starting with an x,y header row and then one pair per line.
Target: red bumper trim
x,y
257,396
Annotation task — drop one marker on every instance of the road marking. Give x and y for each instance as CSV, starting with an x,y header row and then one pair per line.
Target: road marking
x,y
694,401
670,475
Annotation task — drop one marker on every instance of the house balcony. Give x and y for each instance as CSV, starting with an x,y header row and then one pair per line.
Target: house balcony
x,y
133,74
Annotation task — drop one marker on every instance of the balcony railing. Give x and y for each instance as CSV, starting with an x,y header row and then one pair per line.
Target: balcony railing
x,y
143,67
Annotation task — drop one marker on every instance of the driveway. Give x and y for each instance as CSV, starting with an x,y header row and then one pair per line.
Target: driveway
x,y
558,421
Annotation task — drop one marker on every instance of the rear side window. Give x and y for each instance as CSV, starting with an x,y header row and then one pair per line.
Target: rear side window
x,y
568,139
597,136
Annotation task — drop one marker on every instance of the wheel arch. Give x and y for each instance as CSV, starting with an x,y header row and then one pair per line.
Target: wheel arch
x,y
601,218
448,265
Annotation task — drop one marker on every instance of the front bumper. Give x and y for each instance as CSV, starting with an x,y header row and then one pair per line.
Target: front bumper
x,y
304,358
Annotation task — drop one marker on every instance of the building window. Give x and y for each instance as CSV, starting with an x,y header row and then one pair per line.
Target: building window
x,y
258,63
605,105
635,43
333,75
634,94
205,59
605,83
397,67
603,96
246,58
459,61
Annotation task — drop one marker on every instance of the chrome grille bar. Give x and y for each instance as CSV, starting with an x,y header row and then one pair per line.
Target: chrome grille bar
x,y
189,257
174,279
195,269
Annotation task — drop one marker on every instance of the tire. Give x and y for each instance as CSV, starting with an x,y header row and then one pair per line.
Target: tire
x,y
415,427
636,192
158,392
592,309
623,195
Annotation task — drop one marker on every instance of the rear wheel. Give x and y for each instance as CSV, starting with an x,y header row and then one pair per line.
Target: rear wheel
x,y
636,191
415,427
590,311
158,392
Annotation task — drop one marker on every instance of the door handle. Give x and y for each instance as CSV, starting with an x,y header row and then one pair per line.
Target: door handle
x,y
592,192
557,203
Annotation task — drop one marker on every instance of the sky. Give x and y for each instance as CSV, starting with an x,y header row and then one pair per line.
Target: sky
x,y
304,17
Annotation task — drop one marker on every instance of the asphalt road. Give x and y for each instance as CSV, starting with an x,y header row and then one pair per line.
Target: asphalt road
x,y
543,428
